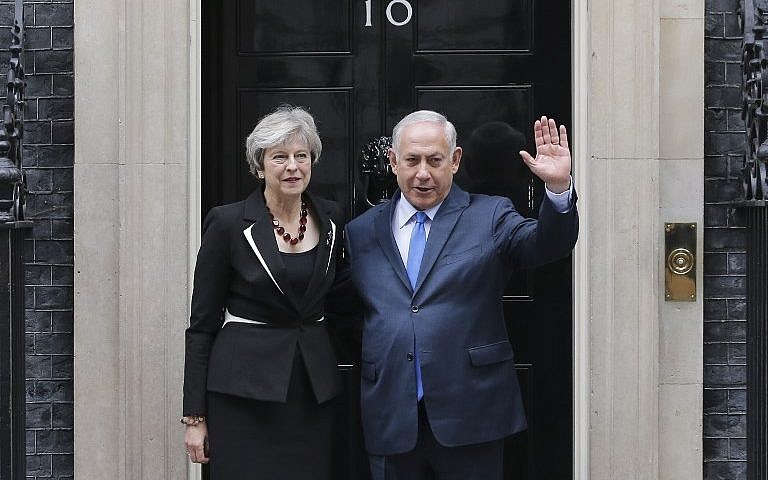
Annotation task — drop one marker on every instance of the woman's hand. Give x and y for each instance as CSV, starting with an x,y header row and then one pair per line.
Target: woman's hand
x,y
194,440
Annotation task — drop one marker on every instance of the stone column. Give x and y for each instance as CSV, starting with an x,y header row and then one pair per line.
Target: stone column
x,y
643,167
681,191
623,231
131,236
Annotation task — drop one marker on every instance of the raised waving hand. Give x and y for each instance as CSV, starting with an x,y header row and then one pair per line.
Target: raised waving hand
x,y
553,157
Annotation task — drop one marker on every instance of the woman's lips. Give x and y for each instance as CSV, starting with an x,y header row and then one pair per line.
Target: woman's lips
x,y
292,179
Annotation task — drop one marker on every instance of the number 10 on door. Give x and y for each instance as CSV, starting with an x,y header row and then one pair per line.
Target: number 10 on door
x,y
397,23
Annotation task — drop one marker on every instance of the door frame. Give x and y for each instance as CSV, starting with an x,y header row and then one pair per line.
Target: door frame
x,y
580,63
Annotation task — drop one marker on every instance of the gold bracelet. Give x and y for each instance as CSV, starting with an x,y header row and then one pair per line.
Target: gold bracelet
x,y
192,420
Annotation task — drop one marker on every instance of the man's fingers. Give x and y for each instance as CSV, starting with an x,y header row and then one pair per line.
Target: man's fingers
x,y
563,137
527,158
538,134
545,130
553,131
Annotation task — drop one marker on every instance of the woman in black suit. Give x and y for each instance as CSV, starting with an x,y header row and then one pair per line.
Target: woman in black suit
x,y
260,371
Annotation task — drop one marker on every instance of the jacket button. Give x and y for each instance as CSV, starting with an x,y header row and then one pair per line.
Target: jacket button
x,y
415,309
409,357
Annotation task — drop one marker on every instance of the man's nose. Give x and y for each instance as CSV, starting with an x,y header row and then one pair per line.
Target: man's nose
x,y
422,173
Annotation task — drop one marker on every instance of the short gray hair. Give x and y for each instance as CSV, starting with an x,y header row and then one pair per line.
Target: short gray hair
x,y
285,124
420,117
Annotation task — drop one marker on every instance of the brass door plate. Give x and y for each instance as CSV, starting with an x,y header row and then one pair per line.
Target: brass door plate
x,y
680,262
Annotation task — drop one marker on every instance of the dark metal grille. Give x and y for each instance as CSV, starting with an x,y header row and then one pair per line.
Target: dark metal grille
x,y
757,344
755,101
755,202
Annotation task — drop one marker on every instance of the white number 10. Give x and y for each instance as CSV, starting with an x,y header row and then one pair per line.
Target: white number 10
x,y
404,3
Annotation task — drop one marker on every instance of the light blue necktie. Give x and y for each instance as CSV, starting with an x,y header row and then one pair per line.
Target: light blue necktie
x,y
415,252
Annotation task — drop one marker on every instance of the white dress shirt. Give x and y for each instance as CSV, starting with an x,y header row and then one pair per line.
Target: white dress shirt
x,y
403,219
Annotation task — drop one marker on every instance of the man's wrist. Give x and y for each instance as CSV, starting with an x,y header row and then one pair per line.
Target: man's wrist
x,y
557,187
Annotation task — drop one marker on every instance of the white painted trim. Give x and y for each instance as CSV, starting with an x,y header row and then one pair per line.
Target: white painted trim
x,y
249,237
194,162
333,242
580,29
194,181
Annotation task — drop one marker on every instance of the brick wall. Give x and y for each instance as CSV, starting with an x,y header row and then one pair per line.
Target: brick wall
x,y
724,250
48,160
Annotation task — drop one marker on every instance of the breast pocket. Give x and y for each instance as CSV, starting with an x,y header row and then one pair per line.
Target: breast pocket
x,y
453,257
492,353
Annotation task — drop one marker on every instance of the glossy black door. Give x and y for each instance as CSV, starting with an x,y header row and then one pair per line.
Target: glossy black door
x,y
478,62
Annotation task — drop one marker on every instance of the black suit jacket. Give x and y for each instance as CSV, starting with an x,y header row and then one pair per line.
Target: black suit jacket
x,y
239,268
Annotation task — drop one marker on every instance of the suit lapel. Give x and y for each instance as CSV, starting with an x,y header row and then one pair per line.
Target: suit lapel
x,y
442,226
383,226
258,232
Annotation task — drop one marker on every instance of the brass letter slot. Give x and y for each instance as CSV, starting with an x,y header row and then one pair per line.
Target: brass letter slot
x,y
680,262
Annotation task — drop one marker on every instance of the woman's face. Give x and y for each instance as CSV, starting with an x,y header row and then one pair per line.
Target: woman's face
x,y
287,168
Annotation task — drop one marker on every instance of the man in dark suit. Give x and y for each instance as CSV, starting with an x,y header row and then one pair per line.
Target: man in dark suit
x,y
439,389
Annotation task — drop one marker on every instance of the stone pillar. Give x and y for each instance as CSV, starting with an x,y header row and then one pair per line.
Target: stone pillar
x,y
643,167
131,236
645,116
623,228
681,192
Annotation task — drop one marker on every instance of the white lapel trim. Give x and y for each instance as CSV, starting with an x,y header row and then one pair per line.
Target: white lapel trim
x,y
333,242
249,237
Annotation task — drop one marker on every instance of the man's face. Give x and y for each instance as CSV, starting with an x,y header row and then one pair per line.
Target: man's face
x,y
424,164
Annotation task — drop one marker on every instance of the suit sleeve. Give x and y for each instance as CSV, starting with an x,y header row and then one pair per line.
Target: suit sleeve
x,y
526,242
342,297
211,284
343,309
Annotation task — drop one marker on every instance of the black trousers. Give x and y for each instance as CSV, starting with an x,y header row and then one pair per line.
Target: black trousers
x,y
430,460
253,439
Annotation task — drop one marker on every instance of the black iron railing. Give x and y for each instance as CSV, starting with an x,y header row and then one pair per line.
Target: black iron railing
x,y
13,227
754,177
755,101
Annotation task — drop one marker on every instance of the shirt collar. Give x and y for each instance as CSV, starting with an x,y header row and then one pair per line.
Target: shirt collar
x,y
404,211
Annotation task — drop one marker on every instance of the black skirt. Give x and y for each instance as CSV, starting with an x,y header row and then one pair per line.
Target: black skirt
x,y
254,439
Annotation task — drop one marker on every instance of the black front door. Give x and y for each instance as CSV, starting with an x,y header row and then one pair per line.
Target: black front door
x,y
359,66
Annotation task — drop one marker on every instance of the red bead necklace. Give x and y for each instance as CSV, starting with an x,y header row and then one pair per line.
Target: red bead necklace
x,y
302,226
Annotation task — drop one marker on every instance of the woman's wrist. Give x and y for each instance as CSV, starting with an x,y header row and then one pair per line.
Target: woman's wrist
x,y
192,420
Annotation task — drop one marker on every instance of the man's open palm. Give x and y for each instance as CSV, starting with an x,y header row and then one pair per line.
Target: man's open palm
x,y
553,157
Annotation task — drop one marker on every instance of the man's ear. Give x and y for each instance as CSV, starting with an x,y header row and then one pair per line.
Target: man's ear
x,y
392,160
456,159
